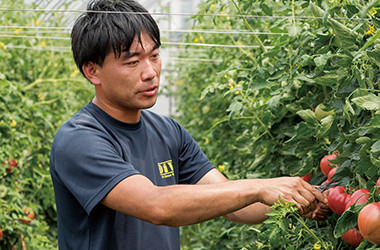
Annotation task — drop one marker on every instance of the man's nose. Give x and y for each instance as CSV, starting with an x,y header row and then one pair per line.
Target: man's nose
x,y
148,71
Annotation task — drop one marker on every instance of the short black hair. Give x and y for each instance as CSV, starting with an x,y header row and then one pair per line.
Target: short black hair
x,y
98,31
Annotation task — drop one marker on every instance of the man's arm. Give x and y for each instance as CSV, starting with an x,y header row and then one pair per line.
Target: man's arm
x,y
252,214
178,205
256,213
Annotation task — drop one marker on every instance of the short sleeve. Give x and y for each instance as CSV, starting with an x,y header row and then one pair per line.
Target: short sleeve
x,y
193,163
89,165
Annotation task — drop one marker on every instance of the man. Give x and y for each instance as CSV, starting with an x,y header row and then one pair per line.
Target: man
x,y
126,178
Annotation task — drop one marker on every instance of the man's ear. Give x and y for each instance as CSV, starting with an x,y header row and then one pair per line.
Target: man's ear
x,y
90,70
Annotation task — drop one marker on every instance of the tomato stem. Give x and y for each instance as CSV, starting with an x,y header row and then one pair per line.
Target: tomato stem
x,y
250,27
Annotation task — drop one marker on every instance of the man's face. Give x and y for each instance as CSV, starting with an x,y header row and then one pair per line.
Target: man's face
x,y
130,83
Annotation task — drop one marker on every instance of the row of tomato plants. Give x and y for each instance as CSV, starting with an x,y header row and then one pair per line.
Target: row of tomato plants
x,y
40,88
304,88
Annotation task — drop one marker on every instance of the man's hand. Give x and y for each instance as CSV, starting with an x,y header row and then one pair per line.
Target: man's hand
x,y
292,189
321,211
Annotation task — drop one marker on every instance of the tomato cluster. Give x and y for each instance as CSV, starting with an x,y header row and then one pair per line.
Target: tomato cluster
x,y
340,200
29,216
10,165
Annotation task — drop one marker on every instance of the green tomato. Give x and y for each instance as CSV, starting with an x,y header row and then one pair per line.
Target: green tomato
x,y
321,112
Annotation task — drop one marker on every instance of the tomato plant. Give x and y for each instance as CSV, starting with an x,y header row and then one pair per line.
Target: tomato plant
x,y
369,221
262,101
39,89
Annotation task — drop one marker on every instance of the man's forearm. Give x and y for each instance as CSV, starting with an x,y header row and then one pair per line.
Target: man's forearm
x,y
252,214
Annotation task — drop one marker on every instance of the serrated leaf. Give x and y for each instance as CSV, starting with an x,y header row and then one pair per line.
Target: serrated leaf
x,y
327,80
326,124
302,130
368,102
307,115
348,220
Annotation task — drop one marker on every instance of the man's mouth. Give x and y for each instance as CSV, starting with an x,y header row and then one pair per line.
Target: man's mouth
x,y
149,91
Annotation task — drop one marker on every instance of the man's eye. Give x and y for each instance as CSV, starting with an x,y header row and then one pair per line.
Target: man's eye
x,y
155,56
132,63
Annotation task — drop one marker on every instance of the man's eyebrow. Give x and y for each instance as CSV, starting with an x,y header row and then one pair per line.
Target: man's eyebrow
x,y
129,54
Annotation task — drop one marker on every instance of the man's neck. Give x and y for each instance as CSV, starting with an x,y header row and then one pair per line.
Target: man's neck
x,y
127,116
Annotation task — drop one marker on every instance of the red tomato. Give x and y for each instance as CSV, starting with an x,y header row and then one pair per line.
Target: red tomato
x,y
325,163
338,199
1,233
369,222
352,237
306,177
10,165
378,185
360,196
331,173
29,217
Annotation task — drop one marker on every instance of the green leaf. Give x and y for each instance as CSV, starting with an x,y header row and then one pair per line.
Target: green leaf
x,y
345,36
303,77
307,115
326,124
273,102
235,107
375,122
375,147
302,130
327,80
375,161
3,191
349,107
321,61
363,140
368,102
348,220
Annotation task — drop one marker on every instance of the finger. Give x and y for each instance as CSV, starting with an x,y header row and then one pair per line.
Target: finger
x,y
304,205
318,195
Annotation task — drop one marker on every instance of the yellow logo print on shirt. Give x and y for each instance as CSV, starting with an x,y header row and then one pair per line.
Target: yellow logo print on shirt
x,y
166,169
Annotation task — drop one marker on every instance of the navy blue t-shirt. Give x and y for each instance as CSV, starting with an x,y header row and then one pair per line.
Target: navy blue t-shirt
x,y
93,152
